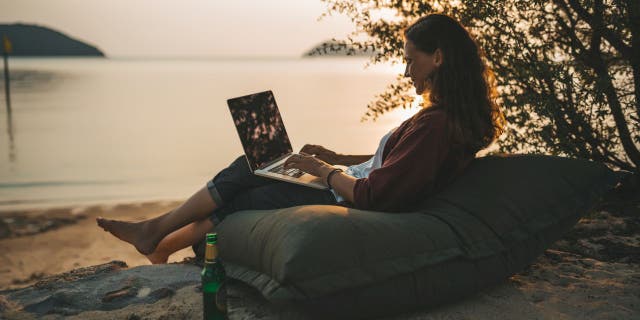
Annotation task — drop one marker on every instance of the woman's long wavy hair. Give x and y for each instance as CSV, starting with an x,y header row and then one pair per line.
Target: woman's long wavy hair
x,y
463,84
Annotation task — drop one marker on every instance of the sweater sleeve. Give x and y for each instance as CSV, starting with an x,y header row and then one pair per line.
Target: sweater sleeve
x,y
409,170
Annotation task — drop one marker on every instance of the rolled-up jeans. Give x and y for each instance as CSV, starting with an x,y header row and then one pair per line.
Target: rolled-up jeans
x,y
236,188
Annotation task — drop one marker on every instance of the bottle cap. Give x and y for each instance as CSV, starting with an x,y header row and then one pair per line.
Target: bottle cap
x,y
212,237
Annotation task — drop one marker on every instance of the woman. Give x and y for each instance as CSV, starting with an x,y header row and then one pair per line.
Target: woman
x,y
416,159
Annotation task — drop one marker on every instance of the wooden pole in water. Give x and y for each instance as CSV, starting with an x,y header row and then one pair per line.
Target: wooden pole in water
x,y
5,54
6,81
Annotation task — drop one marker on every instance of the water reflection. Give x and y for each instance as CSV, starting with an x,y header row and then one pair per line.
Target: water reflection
x,y
25,81
12,146
29,80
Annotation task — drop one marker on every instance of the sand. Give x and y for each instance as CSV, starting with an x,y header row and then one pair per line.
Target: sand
x,y
593,272
25,259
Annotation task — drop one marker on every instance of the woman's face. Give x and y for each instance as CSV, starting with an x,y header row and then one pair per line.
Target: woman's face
x,y
420,66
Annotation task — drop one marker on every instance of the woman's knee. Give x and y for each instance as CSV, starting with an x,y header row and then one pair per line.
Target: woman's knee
x,y
237,168
240,161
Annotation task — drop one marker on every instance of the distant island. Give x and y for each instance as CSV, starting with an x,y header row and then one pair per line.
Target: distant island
x,y
33,40
335,48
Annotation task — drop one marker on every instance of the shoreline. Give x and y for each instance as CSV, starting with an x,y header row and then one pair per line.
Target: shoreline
x,y
30,206
43,242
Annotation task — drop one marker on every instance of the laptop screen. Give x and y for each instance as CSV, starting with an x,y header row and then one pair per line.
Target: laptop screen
x,y
260,128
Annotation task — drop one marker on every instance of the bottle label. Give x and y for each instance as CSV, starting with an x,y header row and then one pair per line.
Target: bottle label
x,y
211,252
221,297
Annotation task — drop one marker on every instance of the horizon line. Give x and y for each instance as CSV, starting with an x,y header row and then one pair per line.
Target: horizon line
x,y
194,57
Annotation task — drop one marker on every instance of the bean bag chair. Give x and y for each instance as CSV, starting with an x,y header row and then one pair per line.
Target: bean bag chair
x,y
489,224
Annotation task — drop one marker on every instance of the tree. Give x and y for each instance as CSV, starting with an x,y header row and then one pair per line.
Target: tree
x,y
567,71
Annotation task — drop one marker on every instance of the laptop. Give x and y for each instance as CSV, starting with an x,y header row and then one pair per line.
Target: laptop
x,y
265,140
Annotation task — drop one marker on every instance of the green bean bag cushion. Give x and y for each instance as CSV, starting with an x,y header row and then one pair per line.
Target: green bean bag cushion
x,y
340,262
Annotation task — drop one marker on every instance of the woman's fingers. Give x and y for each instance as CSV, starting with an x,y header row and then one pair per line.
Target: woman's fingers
x,y
306,163
320,152
288,162
294,161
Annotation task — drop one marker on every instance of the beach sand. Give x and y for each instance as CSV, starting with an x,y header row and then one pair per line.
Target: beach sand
x,y
593,272
28,251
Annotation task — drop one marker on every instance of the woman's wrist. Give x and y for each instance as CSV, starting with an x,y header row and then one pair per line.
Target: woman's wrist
x,y
340,182
330,174
325,172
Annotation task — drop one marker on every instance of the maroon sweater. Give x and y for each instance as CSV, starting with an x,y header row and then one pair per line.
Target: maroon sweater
x,y
417,161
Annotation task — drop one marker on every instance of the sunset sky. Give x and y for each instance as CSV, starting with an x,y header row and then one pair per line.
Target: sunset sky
x,y
185,27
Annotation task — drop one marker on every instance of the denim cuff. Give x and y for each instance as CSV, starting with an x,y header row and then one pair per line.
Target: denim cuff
x,y
215,219
215,195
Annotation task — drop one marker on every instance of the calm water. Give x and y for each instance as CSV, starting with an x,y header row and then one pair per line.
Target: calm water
x,y
108,130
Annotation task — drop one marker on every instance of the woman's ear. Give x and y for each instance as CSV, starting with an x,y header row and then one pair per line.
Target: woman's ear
x,y
437,57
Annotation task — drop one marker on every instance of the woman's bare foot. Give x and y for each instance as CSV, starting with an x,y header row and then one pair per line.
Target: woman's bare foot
x,y
158,257
138,234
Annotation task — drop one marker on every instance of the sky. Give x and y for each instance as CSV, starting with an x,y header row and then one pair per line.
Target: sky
x,y
170,28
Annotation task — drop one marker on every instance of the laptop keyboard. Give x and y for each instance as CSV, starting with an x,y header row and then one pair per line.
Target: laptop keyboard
x,y
287,172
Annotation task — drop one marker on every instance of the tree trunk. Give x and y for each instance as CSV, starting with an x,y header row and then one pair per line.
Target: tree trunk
x,y
634,22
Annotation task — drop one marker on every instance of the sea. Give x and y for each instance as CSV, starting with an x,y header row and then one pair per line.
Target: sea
x,y
86,131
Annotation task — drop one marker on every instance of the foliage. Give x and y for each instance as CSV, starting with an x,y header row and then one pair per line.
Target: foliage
x,y
568,71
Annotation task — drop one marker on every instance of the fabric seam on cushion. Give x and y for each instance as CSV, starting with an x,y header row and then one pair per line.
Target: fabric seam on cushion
x,y
471,213
461,244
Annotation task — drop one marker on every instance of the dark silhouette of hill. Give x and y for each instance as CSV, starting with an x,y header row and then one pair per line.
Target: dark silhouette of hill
x,y
32,40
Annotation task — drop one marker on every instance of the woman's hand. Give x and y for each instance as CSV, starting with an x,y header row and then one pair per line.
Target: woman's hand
x,y
340,182
309,164
321,153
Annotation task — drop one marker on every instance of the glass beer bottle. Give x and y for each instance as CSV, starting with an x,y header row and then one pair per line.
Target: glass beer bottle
x,y
213,286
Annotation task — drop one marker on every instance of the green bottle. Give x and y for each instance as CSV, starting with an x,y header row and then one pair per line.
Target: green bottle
x,y
214,293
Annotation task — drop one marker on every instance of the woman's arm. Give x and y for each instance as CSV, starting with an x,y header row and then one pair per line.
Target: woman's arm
x,y
331,157
349,160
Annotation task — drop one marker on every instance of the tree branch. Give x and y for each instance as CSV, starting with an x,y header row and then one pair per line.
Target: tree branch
x,y
607,33
567,108
593,59
616,109
634,23
570,30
